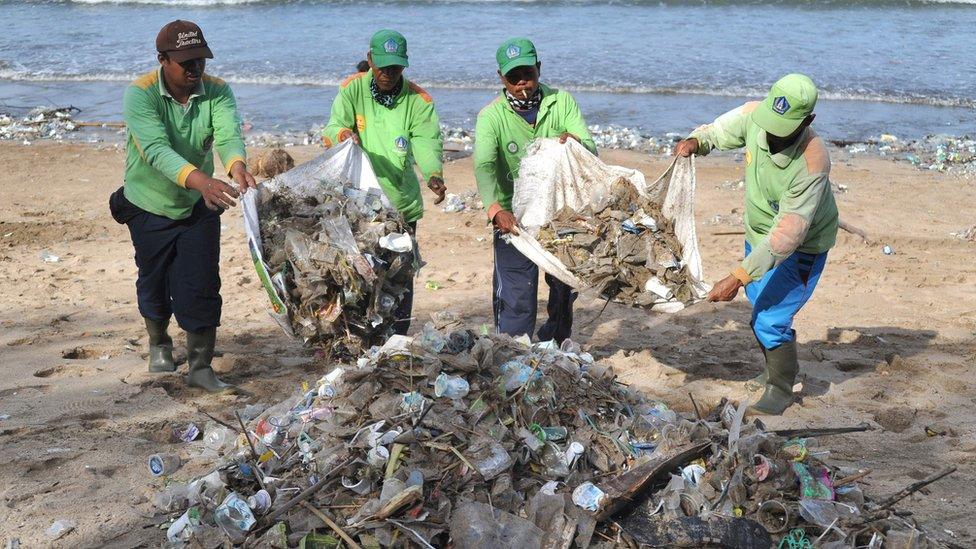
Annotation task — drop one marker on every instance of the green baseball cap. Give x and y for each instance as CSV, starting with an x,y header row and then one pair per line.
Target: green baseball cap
x,y
388,48
515,52
790,100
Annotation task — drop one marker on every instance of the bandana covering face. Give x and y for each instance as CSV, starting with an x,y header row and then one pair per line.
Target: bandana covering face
x,y
387,99
525,104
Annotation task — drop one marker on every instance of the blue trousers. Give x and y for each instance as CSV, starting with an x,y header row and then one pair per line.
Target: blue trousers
x,y
779,295
515,299
178,261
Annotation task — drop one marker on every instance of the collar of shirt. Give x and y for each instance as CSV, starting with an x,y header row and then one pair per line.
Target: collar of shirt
x,y
783,158
548,98
198,91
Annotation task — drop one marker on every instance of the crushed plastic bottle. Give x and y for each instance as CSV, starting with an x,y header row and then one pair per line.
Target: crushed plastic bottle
x,y
453,387
260,502
453,204
219,439
588,496
183,527
431,339
516,374
60,528
328,386
234,517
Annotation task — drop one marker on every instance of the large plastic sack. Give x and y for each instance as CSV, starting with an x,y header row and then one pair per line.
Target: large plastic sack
x,y
554,176
339,181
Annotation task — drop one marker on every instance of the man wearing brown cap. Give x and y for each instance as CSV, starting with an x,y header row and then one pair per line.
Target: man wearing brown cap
x,y
175,117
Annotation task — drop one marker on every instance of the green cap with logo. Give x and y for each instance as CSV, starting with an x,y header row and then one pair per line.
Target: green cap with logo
x,y
790,100
514,53
388,48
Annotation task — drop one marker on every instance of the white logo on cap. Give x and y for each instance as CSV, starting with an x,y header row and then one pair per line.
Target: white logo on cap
x,y
185,39
513,51
390,46
781,105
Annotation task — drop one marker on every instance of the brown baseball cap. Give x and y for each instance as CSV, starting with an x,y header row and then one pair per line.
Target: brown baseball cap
x,y
182,41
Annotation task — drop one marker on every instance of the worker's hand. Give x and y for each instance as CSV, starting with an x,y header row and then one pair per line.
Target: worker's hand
x,y
567,135
217,195
504,221
346,133
437,185
725,290
242,177
686,147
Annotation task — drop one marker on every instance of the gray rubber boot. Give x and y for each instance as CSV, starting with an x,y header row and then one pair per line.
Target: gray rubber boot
x,y
199,354
759,382
782,367
160,347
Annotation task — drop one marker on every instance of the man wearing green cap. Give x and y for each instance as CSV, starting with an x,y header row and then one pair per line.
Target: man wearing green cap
x,y
395,123
524,110
791,220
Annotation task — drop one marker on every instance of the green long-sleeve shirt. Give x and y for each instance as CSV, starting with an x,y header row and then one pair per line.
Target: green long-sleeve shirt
x,y
789,203
166,141
501,136
393,138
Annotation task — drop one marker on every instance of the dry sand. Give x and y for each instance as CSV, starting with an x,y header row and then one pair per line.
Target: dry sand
x,y
887,340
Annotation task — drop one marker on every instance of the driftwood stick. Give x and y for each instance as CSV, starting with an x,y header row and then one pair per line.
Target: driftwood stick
x,y
331,524
914,487
695,404
728,233
853,230
304,495
822,431
851,478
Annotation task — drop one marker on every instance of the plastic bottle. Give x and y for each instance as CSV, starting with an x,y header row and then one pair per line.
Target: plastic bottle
x,y
554,461
588,496
453,387
260,502
234,517
161,465
330,382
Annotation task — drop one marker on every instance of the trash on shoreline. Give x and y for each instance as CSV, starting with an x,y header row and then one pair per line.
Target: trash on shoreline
x,y
453,437
942,153
335,257
39,123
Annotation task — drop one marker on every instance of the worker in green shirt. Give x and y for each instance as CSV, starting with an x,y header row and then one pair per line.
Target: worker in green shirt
x,y
395,123
524,110
791,220
175,117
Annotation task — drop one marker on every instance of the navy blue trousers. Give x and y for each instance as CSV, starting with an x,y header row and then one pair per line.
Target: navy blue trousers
x,y
179,264
515,299
404,310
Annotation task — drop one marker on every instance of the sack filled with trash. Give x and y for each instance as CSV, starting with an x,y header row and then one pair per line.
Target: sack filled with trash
x,y
334,255
593,225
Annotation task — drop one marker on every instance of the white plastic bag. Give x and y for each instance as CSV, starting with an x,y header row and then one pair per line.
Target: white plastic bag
x,y
554,175
345,163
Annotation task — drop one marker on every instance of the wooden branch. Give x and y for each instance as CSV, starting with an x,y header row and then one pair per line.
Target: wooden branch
x,y
331,524
822,431
304,495
914,487
852,478
853,230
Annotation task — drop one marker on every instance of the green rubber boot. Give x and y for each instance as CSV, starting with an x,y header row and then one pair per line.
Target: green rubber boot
x,y
759,382
199,354
160,347
782,367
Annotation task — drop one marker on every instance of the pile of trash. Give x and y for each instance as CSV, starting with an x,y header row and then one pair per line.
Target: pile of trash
x,y
335,257
627,250
602,228
465,202
39,123
942,153
617,137
486,441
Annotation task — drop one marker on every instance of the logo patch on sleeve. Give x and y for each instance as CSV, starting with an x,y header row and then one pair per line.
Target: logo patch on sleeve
x,y
781,105
401,144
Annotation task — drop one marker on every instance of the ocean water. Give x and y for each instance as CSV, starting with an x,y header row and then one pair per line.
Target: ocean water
x,y
903,67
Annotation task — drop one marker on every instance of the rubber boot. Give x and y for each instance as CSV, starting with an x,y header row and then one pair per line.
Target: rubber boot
x,y
782,367
160,347
759,382
199,354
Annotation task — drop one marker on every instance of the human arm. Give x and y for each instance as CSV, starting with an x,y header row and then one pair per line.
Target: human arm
x,y
228,140
726,132
342,120
428,147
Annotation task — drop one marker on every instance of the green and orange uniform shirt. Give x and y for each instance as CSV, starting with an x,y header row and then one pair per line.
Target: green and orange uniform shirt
x,y
789,203
394,138
167,140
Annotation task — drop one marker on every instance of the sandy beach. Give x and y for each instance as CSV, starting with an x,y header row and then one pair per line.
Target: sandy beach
x,y
887,339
